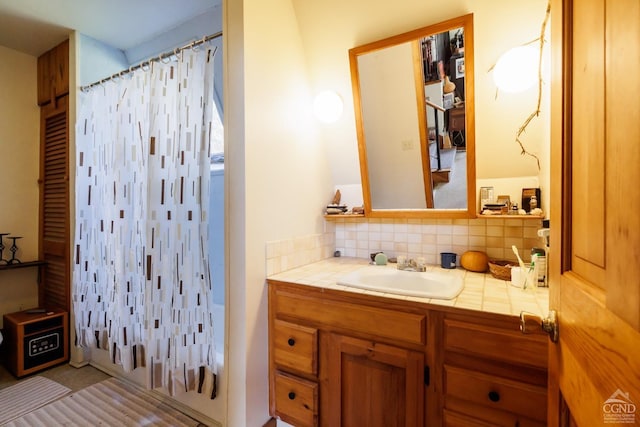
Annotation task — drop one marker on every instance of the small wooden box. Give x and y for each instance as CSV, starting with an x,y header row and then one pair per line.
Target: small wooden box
x,y
35,341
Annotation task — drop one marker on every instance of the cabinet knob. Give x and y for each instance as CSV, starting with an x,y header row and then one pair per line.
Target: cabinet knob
x,y
291,342
494,396
292,395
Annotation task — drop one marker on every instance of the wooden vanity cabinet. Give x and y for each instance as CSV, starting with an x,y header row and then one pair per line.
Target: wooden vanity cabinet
x,y
349,359
492,374
340,360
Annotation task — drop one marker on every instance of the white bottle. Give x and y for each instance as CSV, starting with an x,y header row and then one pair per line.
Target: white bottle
x,y
541,265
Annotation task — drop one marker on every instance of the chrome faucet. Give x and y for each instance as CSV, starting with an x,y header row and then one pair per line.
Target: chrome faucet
x,y
411,265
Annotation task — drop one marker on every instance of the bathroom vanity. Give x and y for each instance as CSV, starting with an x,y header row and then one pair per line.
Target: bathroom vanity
x,y
346,356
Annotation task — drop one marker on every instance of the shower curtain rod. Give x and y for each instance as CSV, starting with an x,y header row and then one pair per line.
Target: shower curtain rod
x,y
157,58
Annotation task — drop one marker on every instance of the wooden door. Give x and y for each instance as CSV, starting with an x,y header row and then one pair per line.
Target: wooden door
x,y
54,204
594,369
373,385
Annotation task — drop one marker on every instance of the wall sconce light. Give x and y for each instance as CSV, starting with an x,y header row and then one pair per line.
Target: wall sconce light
x,y
327,106
517,69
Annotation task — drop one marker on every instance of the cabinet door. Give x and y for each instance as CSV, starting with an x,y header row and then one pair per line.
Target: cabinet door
x,y
53,73
44,78
54,204
373,385
60,69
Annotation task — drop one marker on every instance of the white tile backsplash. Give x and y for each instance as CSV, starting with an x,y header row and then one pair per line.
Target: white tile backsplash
x,y
359,237
283,255
427,238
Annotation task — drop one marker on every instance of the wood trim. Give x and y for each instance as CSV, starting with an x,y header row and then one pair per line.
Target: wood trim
x,y
272,366
560,153
465,21
422,118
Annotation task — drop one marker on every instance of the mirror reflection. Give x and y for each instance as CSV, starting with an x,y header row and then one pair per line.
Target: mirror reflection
x,y
413,95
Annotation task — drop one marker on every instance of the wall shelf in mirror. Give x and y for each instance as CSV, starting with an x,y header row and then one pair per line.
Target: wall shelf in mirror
x,y
538,217
342,216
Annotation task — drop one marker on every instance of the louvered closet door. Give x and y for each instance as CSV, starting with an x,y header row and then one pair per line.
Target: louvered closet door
x,y
54,204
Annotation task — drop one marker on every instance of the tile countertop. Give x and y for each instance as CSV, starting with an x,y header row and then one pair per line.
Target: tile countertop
x,y
481,292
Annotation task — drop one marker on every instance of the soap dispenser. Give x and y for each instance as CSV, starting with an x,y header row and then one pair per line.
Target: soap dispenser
x,y
543,253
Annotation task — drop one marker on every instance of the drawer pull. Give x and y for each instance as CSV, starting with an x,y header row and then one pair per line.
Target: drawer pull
x,y
494,396
292,395
291,342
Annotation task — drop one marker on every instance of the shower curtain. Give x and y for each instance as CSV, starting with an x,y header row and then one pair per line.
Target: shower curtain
x,y
141,279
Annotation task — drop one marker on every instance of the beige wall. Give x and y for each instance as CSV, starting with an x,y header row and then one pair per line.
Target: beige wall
x,y
330,28
278,179
19,171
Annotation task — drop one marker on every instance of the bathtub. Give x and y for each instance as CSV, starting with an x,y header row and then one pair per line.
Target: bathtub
x,y
200,406
218,331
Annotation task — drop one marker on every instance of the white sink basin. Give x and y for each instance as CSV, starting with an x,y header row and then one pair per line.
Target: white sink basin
x,y
429,284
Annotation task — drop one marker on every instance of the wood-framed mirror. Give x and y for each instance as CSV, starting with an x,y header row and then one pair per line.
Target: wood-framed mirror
x,y
414,107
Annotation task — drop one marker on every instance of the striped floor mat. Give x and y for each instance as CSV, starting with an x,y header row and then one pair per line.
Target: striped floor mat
x,y
108,403
28,395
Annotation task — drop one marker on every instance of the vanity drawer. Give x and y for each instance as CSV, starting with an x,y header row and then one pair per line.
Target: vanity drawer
x,y
341,315
494,419
295,347
504,345
296,400
495,392
453,419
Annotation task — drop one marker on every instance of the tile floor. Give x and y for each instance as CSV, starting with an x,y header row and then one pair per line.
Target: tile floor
x,y
65,374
